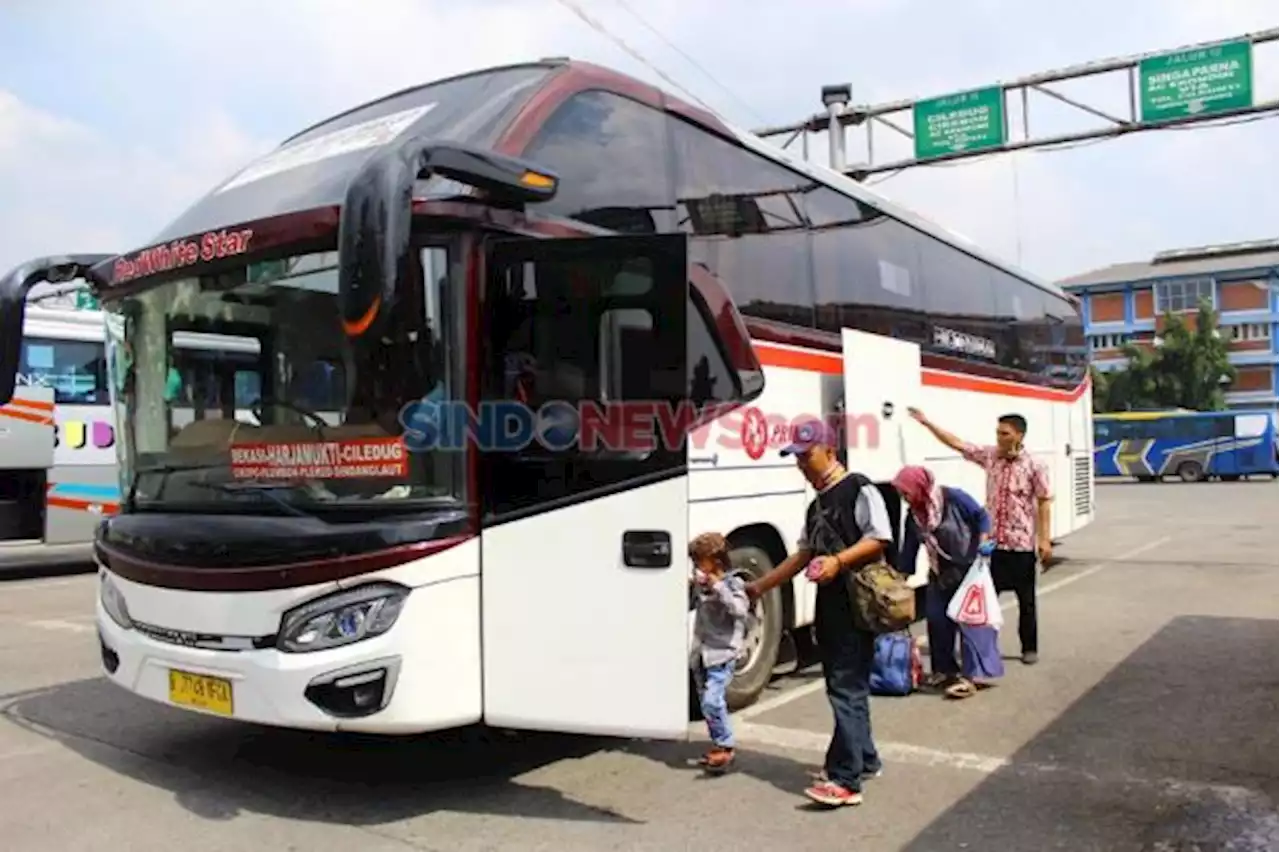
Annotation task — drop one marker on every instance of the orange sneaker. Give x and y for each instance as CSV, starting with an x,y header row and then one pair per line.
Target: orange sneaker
x,y
833,795
717,760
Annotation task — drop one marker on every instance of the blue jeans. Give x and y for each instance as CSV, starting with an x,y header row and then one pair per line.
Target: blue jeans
x,y
715,710
846,667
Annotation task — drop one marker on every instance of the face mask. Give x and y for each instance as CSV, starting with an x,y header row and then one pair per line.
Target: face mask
x,y
832,475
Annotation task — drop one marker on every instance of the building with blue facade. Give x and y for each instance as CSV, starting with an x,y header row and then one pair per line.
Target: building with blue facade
x,y
1126,303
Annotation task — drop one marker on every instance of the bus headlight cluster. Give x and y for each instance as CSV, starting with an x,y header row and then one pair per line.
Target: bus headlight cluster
x,y
113,603
342,618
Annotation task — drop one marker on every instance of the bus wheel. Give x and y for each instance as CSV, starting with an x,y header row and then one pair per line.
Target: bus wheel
x,y
1190,471
764,631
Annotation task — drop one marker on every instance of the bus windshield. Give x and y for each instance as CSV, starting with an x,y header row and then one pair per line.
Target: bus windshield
x,y
241,392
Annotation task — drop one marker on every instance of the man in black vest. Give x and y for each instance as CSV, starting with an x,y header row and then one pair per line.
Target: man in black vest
x,y
846,526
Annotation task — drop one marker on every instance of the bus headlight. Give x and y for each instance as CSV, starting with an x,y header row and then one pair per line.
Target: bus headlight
x,y
342,618
113,603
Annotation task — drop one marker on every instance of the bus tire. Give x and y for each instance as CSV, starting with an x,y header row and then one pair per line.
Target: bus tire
x,y
1190,471
761,652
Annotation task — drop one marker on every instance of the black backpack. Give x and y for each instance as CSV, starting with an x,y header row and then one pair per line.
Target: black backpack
x,y
893,506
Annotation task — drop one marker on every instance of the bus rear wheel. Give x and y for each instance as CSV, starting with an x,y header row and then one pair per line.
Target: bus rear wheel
x,y
1190,471
764,633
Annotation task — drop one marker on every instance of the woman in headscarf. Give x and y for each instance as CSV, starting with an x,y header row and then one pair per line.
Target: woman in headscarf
x,y
954,530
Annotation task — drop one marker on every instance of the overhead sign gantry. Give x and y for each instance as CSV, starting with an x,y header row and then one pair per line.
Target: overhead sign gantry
x,y
1185,86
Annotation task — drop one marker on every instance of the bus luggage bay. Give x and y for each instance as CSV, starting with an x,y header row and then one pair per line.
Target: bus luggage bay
x,y
551,233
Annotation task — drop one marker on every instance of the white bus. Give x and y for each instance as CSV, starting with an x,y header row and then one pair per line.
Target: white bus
x,y
549,233
58,474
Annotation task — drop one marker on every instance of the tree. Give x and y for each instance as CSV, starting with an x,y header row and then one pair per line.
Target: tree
x,y
1189,369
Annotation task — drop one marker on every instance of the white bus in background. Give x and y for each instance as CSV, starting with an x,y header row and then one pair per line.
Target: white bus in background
x,y
553,232
58,471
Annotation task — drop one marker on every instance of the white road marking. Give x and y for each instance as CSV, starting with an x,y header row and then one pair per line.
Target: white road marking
x,y
60,624
771,704
30,751
38,584
811,741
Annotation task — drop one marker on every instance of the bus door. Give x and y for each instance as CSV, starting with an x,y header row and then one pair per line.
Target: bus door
x,y
584,576
881,379
1253,436
1226,459
26,455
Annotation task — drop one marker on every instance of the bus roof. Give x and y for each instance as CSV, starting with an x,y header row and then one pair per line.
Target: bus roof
x,y
311,170
847,186
1160,415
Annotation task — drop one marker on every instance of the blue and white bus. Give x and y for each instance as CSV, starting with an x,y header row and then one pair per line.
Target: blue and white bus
x,y
1191,445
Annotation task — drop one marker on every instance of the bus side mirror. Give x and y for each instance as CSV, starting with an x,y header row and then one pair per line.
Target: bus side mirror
x,y
376,220
14,288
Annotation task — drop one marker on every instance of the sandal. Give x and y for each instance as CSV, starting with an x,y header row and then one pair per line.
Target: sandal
x,y
962,688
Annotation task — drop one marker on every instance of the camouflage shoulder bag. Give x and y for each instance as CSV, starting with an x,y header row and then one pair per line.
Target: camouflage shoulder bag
x,y
882,600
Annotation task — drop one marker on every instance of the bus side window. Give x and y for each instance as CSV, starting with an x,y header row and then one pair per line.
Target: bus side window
x,y
710,378
1224,426
584,336
1192,429
75,369
1102,432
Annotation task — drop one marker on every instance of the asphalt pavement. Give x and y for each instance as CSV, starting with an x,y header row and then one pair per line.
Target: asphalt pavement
x,y
1150,723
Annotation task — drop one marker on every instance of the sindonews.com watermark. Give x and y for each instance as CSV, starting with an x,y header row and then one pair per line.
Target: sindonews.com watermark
x,y
508,426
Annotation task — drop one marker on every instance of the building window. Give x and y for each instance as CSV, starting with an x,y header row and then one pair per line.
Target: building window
x,y
1250,331
1108,341
1182,296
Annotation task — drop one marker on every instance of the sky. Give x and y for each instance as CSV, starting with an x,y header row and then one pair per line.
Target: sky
x,y
115,117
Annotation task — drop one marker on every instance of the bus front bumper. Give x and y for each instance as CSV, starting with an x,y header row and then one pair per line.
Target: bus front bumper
x,y
379,685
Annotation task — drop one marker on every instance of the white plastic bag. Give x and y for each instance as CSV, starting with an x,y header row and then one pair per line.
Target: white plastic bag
x,y
976,603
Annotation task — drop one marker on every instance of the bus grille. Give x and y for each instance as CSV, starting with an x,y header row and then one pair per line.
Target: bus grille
x,y
1083,486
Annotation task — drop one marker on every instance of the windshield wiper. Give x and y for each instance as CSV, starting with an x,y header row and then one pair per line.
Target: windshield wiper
x,y
164,469
266,489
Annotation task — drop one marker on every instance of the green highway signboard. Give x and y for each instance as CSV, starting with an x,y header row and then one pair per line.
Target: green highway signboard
x,y
1202,81
968,121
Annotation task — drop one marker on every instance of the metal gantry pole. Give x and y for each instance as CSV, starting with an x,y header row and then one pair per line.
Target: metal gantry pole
x,y
834,98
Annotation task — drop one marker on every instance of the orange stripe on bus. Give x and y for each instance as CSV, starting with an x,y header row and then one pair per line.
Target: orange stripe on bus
x,y
831,364
980,384
80,505
19,414
812,362
36,404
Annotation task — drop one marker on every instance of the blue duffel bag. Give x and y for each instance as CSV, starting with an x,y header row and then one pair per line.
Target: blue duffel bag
x,y
896,668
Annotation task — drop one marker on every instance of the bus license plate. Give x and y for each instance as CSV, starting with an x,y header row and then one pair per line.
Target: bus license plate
x,y
200,692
